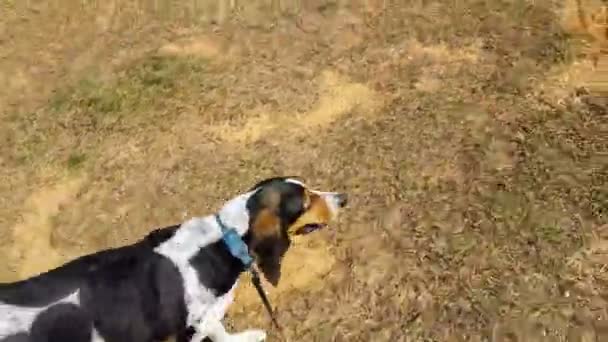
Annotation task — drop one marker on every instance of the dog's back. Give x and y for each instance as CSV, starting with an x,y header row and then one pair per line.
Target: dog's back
x,y
125,288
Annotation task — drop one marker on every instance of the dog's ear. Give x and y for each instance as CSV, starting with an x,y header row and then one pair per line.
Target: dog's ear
x,y
266,222
269,241
269,244
269,252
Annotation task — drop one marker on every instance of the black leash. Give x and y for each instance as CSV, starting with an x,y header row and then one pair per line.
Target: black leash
x,y
255,279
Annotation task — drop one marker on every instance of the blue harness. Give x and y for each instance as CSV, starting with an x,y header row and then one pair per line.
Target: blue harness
x,y
235,244
238,249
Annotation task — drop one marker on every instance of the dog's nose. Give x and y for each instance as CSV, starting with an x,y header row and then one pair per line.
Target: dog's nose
x,y
342,200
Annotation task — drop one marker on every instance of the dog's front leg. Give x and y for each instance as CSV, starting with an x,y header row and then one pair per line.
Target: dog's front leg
x,y
217,333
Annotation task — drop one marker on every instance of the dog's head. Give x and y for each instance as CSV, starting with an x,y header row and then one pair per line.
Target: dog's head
x,y
282,207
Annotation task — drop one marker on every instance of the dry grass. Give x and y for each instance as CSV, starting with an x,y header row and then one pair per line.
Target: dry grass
x,y
468,132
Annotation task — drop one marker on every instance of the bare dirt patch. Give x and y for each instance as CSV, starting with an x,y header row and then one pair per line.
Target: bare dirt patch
x,y
587,21
337,96
32,249
201,46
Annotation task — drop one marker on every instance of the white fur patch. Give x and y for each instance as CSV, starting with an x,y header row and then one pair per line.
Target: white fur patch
x,y
96,337
294,181
192,235
17,319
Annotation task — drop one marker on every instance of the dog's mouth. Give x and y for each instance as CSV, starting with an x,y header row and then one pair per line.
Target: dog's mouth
x,y
309,228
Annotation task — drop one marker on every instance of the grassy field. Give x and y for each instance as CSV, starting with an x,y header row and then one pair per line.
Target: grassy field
x,y
472,136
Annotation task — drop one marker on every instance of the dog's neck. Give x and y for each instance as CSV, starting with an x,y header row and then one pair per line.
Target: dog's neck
x,y
199,232
234,213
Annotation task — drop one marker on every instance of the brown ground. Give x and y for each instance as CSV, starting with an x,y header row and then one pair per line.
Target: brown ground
x,y
471,135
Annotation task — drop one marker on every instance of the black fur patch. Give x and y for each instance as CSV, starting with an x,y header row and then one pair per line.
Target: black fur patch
x,y
216,268
58,283
131,293
62,322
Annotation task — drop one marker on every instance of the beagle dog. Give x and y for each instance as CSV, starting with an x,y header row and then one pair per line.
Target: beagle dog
x,y
177,281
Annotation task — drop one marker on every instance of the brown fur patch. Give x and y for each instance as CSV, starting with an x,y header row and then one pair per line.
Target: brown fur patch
x,y
266,224
318,212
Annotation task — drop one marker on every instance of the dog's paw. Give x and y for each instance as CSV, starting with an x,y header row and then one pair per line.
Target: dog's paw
x,y
250,336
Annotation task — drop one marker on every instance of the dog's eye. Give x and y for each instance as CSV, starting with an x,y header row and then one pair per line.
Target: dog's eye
x,y
309,228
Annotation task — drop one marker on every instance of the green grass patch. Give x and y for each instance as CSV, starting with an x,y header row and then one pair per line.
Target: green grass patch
x,y
141,87
140,95
75,161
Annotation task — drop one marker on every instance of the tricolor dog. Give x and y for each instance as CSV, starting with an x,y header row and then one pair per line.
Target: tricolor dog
x,y
177,281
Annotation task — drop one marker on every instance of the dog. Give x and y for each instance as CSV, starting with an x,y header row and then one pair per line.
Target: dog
x,y
177,282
